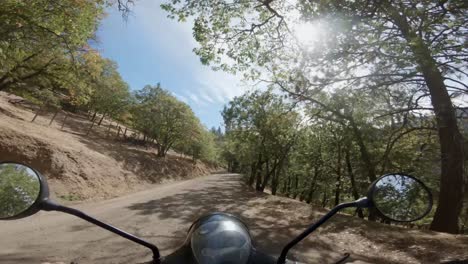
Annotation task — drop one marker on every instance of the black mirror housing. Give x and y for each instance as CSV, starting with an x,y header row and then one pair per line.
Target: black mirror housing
x,y
400,197
41,198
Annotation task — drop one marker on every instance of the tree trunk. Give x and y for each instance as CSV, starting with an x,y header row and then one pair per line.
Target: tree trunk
x,y
302,194
108,129
102,118
167,148
365,156
450,201
37,113
53,118
464,225
451,145
125,133
256,168
90,128
4,82
354,189
296,185
258,181
324,199
267,175
284,187
275,180
337,189
253,170
64,120
312,185
94,116
338,176
161,151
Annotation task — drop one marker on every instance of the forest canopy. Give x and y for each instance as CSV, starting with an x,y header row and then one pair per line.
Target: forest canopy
x,y
335,56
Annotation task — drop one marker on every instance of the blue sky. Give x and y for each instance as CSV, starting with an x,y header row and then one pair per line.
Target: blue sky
x,y
150,48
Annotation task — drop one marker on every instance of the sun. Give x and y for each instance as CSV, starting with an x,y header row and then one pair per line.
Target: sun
x,y
310,34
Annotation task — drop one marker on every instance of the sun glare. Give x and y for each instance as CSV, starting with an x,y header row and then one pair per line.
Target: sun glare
x,y
309,34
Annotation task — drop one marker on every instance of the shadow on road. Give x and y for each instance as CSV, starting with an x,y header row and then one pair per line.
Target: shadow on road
x,y
273,222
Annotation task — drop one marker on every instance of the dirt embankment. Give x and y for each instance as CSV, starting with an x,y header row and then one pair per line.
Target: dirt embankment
x,y
80,167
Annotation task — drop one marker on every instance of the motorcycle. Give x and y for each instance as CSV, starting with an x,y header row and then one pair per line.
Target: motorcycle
x,y
216,238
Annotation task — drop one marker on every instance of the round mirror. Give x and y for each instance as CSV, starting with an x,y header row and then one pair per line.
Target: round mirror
x,y
20,187
401,197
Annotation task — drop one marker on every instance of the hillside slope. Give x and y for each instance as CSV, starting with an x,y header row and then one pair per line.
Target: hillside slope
x,y
80,167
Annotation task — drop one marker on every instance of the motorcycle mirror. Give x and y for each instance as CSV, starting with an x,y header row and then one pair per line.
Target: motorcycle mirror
x,y
21,191
400,197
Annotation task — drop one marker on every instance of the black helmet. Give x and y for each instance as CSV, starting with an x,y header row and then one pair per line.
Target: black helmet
x,y
220,238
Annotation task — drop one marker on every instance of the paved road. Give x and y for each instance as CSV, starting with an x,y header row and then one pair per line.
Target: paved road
x,y
161,215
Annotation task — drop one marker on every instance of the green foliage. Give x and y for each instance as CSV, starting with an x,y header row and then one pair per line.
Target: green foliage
x,y
418,47
322,159
41,41
111,95
162,117
205,147
45,54
260,130
350,43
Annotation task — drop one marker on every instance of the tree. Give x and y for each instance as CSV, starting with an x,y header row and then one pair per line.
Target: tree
x,y
412,44
36,36
261,128
202,145
159,115
322,159
44,51
111,93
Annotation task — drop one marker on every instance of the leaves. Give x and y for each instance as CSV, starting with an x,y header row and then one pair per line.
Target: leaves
x,y
418,47
160,116
44,46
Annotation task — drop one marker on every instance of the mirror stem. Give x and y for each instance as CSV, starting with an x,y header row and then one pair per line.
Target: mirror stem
x,y
360,203
51,206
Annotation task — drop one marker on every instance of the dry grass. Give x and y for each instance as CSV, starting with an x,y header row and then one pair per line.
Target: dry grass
x,y
80,167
